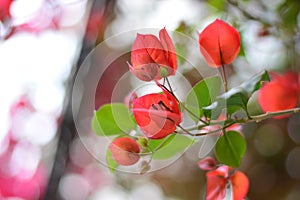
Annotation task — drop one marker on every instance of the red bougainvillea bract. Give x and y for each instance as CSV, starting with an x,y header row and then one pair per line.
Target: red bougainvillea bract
x,y
153,58
219,178
125,151
219,43
157,114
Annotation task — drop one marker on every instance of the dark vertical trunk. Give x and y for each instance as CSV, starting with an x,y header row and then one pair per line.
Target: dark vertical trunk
x,y
67,131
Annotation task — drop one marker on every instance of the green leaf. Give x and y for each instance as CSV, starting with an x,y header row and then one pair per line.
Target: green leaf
x,y
110,161
202,95
218,4
143,142
112,119
242,52
153,144
177,144
95,125
253,106
237,98
184,27
181,53
230,148
288,13
255,83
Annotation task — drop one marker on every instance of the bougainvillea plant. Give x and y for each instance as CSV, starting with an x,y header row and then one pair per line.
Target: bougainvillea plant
x,y
157,117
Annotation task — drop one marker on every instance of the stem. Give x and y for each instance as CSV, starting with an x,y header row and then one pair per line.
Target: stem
x,y
146,153
168,82
267,115
183,106
212,123
185,131
191,113
224,78
223,69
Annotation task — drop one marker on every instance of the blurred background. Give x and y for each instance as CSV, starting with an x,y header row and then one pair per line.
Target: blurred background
x,y
43,45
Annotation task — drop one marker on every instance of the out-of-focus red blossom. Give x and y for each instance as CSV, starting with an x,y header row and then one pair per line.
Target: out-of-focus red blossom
x,y
207,163
47,17
289,79
19,112
23,103
24,186
16,180
153,58
281,93
219,178
219,43
157,114
125,151
5,9
96,176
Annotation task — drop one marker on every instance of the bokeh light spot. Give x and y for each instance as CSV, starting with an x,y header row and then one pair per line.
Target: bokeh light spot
x,y
269,140
294,128
293,163
262,178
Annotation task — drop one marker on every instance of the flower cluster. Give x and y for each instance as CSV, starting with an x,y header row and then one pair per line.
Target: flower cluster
x,y
159,115
153,59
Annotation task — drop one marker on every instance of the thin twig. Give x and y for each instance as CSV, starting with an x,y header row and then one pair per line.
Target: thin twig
x,y
191,113
267,115
206,133
212,123
224,77
184,131
183,106
169,84
230,122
